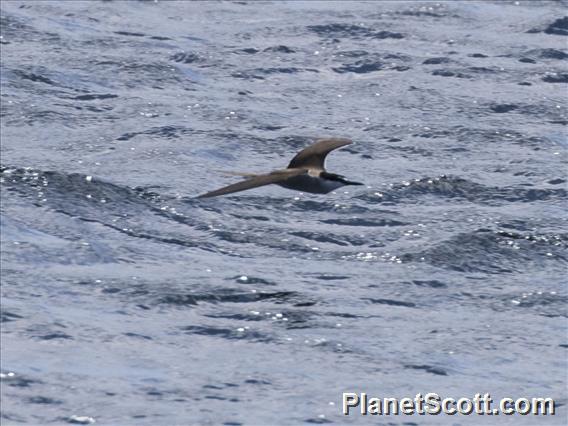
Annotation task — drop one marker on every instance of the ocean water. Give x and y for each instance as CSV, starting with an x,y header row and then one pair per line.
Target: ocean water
x,y
126,301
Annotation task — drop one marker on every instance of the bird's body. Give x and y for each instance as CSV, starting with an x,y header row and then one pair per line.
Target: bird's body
x,y
311,183
306,172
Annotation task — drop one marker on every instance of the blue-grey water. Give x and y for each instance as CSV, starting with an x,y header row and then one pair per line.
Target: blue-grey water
x,y
126,301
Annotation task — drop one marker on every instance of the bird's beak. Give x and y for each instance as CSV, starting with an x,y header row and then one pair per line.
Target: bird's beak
x,y
350,182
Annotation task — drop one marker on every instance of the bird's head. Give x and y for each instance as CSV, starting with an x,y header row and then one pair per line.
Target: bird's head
x,y
339,178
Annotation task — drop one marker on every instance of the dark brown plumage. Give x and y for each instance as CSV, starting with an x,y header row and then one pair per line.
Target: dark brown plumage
x,y
314,155
255,182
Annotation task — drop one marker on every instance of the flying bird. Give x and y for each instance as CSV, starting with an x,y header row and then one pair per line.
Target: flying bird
x,y
306,173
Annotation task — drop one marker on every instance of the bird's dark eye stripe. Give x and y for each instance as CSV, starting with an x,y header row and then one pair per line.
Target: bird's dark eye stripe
x,y
332,176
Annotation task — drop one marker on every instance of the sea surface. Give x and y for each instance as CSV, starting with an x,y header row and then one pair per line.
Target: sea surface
x,y
126,301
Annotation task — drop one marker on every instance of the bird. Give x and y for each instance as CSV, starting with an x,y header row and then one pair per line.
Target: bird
x,y
306,172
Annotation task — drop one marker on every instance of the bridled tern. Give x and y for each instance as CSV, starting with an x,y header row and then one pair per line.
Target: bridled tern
x,y
306,172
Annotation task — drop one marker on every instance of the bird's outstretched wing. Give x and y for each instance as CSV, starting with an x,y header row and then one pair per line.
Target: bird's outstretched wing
x,y
314,155
255,182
